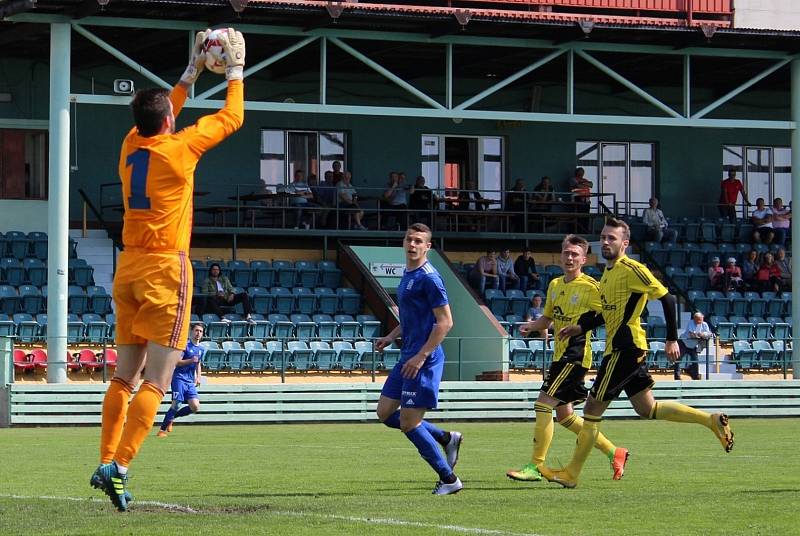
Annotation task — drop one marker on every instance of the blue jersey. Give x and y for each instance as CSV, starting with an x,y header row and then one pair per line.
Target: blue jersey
x,y
186,372
419,293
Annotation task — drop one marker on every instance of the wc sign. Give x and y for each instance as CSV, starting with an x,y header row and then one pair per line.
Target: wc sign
x,y
387,269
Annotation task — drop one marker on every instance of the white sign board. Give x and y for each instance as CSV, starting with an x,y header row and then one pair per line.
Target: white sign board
x,y
387,269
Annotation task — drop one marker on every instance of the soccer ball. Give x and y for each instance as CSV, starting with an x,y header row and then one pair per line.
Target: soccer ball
x,y
215,54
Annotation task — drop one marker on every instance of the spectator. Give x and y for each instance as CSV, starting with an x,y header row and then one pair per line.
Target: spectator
x,y
470,198
324,196
781,221
729,194
544,195
302,198
581,189
421,199
395,197
525,268
484,274
762,221
535,310
657,226
785,266
516,199
348,200
733,280
750,267
336,172
694,338
505,271
220,293
768,276
715,273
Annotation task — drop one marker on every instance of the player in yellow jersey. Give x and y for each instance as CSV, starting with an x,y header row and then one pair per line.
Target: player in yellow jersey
x,y
625,287
568,298
153,281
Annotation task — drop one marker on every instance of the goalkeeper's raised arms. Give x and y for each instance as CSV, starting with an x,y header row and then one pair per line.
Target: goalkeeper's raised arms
x,y
196,61
233,43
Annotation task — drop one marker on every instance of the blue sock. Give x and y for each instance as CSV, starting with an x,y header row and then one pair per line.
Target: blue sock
x,y
394,422
430,452
169,417
183,412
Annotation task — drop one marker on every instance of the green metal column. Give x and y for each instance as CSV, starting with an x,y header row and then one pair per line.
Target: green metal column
x,y
58,204
795,221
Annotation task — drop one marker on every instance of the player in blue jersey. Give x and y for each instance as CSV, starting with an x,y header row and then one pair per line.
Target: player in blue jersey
x,y
185,380
413,384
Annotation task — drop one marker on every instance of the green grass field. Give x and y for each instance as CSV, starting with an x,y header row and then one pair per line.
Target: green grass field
x,y
357,479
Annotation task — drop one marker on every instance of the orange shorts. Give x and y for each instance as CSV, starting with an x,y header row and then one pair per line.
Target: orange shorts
x,y
153,296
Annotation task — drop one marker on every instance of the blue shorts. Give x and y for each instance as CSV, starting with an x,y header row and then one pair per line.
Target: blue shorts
x,y
183,391
422,391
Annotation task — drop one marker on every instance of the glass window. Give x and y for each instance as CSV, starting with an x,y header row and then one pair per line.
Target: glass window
x,y
642,173
273,157
782,174
285,151
302,153
430,162
450,162
765,171
614,169
757,174
490,178
331,149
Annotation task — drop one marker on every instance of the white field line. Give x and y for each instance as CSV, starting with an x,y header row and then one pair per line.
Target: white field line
x,y
332,517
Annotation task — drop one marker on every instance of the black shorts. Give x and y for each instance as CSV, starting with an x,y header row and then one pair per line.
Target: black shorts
x,y
565,382
622,370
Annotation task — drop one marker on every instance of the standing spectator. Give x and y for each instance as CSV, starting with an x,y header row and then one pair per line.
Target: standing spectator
x,y
395,198
336,172
762,221
715,273
729,194
785,266
484,274
694,338
657,226
750,267
768,276
302,198
505,271
525,268
348,200
732,280
421,199
781,221
581,189
220,293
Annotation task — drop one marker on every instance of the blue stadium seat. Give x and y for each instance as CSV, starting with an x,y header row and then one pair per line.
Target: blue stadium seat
x,y
99,299
767,355
744,355
348,327
304,327
346,355
370,326
26,328
35,271
81,274
17,244
327,328
260,300
307,274
349,300
279,356
241,273
285,273
282,327
257,356
327,300
263,275
367,356
744,331
235,356
260,328
520,356
9,300
282,300
30,299
390,357
77,300
496,300
305,300
324,355
330,276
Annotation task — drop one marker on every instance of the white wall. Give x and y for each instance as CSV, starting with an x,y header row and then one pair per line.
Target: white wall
x,y
767,14
24,216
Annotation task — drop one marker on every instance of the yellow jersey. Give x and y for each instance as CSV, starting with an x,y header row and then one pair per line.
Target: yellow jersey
x,y
624,291
157,174
566,302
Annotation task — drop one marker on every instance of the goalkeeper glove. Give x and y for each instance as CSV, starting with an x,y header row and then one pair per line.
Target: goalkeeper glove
x,y
233,44
196,61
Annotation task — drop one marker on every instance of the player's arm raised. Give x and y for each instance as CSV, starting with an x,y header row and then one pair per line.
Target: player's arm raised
x,y
196,65
444,322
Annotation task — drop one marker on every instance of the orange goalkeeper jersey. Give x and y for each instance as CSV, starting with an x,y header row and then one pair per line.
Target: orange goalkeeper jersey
x,y
157,174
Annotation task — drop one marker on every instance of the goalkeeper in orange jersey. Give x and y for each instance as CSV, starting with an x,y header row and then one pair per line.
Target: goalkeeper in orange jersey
x,y
153,282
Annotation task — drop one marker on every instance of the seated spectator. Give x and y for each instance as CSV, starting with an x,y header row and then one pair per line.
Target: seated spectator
x,y
484,274
348,200
505,271
762,223
469,198
535,310
302,198
525,268
768,276
516,198
395,197
544,195
324,196
785,266
581,189
715,273
750,267
421,199
693,339
220,293
657,227
733,276
781,221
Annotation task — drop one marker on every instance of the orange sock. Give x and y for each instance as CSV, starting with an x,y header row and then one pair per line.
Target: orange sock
x,y
115,408
141,416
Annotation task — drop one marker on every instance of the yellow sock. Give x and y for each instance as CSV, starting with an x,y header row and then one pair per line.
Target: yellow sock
x,y
542,432
574,423
586,440
677,412
115,408
141,415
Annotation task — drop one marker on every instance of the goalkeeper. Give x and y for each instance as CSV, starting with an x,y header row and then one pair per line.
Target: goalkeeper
x,y
153,282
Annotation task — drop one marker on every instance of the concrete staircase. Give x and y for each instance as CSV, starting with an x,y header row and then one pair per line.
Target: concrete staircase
x,y
96,248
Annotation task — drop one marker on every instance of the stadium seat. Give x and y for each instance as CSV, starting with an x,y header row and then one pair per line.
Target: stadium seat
x,y
235,355
346,355
367,357
538,350
99,299
81,274
9,300
282,300
22,362
238,329
7,326
349,300
520,356
257,356
88,360
692,231
370,326
215,327
327,300
302,355
14,272
200,271
279,356
496,300
725,331
109,357
263,275
35,272
241,273
738,305
214,358
767,356
96,329
759,307
348,327
75,329
326,326
41,319
17,244
774,307
285,273
30,299
260,300
304,327
784,355
324,355
329,275
390,357
653,355
744,331
305,300
657,328
709,231
282,327
77,300
762,330
518,303
780,330
307,274
721,306
39,358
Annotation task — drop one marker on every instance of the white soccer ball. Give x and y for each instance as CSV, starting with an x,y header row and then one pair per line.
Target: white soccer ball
x,y
215,54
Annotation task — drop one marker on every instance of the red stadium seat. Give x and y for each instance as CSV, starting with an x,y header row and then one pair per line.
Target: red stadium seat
x,y
89,360
39,358
111,357
72,363
21,361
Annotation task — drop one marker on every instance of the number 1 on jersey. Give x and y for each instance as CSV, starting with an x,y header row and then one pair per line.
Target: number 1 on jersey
x,y
140,163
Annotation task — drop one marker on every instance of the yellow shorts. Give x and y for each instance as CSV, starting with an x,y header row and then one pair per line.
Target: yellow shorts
x,y
153,297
